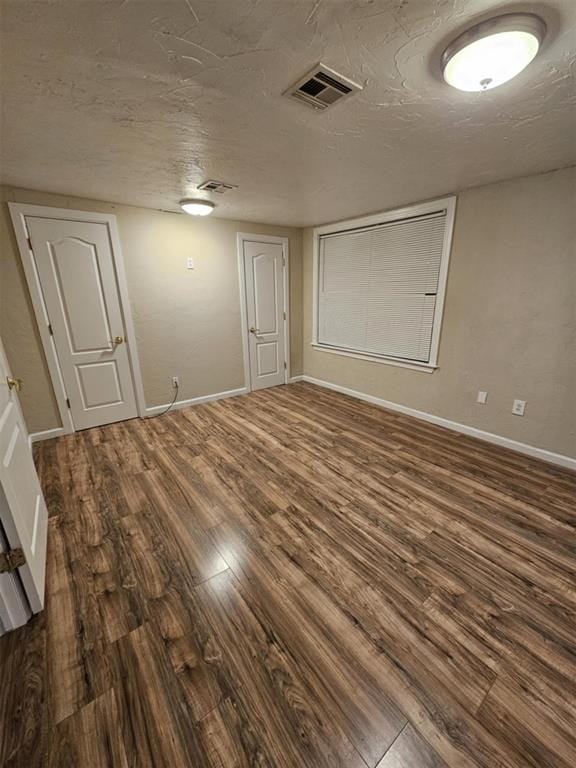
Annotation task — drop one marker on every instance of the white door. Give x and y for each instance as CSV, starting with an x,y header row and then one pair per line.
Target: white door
x,y
264,279
14,608
22,508
78,280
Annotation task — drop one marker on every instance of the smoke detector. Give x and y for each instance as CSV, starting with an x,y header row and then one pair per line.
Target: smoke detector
x,y
322,87
211,185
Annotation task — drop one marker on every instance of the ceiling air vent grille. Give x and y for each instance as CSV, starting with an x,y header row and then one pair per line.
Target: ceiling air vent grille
x,y
211,185
321,88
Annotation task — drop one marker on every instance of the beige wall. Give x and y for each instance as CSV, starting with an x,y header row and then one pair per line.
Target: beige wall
x,y
509,322
187,322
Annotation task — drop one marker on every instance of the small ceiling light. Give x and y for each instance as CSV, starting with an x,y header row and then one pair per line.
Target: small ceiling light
x,y
197,207
493,52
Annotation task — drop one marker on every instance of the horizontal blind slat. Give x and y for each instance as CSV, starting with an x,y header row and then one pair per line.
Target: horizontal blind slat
x,y
377,287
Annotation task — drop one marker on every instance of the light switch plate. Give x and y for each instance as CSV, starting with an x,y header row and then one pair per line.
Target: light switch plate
x,y
518,407
482,397
189,263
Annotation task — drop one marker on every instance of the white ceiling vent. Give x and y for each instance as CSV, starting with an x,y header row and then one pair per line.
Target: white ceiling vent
x,y
211,185
322,87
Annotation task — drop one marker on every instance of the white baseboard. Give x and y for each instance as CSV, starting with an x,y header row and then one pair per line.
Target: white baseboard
x,y
489,437
47,434
196,401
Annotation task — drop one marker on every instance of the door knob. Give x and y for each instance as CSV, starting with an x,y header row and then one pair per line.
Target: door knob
x,y
118,340
253,330
14,383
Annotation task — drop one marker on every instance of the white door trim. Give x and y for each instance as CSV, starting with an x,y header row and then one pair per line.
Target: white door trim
x,y
284,242
18,213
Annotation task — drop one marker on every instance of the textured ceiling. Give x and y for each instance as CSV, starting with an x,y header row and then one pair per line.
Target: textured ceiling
x,y
138,101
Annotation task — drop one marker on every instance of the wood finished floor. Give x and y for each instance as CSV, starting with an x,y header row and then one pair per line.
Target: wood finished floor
x,y
295,579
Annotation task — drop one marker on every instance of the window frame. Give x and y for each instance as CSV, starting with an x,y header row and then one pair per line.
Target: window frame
x,y
420,209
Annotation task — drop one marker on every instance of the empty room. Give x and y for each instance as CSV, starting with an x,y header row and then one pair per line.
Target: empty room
x,y
287,384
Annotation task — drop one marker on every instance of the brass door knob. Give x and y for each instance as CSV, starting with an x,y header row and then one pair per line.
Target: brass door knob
x,y
14,383
118,340
253,330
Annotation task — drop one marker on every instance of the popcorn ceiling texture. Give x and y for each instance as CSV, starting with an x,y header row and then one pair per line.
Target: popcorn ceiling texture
x,y
137,101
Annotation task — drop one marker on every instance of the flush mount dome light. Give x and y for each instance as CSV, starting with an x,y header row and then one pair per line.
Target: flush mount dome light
x,y
197,207
493,52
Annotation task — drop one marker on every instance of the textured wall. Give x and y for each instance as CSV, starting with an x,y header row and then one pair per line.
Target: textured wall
x,y
509,321
187,322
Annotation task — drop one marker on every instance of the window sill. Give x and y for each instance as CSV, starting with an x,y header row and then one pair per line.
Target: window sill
x,y
413,366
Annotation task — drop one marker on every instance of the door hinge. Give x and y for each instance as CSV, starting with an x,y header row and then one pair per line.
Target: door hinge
x,y
285,365
68,402
11,560
50,331
284,313
29,242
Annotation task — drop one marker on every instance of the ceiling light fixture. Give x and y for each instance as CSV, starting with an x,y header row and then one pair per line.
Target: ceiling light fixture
x,y
493,52
197,207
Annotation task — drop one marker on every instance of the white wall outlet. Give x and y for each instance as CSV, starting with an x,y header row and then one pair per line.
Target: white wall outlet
x,y
518,407
189,263
175,382
481,397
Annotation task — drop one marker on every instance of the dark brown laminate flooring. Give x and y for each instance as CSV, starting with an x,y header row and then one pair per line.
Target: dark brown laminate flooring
x,y
295,579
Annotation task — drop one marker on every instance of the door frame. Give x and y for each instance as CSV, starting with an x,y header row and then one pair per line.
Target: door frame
x,y
18,213
241,238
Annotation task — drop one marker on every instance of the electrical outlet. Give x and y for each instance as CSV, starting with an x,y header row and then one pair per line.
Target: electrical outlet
x,y
175,382
189,263
482,397
518,407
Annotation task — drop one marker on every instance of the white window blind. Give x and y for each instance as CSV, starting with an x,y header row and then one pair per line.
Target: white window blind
x,y
377,287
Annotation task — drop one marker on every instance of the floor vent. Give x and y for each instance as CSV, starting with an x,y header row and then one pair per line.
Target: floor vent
x,y
321,88
211,185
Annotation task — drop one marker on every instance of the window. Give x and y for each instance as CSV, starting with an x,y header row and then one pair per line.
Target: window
x,y
379,284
